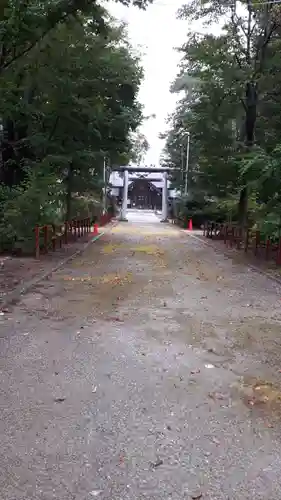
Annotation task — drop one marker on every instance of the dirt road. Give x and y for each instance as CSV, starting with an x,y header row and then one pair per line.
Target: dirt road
x,y
148,368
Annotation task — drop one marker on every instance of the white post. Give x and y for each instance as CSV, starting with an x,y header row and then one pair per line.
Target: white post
x,y
187,162
125,196
165,198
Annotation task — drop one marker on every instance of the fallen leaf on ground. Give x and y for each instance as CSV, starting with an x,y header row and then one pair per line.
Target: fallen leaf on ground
x,y
215,441
157,463
95,493
217,395
117,320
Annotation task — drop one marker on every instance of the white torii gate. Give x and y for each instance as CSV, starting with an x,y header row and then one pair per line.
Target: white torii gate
x,y
126,170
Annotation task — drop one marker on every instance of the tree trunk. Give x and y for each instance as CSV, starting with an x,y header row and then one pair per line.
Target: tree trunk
x,y
251,100
243,208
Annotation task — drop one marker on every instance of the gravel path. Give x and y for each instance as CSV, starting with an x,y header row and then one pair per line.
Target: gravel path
x,y
148,368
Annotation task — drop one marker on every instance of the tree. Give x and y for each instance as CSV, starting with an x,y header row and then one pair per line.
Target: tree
x,y
140,146
228,82
67,103
25,29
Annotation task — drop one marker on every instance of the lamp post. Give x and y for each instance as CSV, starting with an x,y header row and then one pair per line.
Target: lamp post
x,y
187,162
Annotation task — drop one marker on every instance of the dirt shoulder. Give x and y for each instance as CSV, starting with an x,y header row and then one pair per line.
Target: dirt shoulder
x,y
240,257
16,272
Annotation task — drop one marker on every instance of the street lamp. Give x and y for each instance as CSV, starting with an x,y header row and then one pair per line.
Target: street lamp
x,y
187,163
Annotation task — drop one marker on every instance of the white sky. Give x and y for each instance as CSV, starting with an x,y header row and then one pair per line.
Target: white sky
x,y
155,32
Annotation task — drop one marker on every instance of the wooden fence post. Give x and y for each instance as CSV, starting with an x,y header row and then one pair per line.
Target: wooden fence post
x,y
246,241
257,241
225,233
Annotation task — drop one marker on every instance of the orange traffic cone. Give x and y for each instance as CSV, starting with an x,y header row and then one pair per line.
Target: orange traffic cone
x,y
96,229
190,225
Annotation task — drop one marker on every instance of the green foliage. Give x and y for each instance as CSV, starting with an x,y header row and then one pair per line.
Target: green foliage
x,y
69,81
36,201
230,104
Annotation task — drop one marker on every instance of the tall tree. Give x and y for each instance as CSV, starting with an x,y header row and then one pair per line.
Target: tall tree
x,y
66,104
227,81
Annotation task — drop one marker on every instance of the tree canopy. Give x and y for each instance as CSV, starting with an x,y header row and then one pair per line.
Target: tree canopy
x,y
228,83
69,81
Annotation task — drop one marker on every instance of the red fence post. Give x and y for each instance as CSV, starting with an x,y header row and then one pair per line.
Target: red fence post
x,y
238,237
230,236
225,233
37,241
247,241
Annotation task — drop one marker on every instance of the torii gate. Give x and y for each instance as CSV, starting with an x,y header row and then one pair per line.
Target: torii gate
x,y
126,170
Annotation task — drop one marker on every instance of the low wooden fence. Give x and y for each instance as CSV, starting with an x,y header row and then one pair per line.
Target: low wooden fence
x,y
50,237
233,236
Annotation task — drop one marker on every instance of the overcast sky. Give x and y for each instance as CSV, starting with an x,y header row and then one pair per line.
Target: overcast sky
x,y
156,32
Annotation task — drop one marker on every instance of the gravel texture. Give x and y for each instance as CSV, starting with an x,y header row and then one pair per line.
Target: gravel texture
x,y
147,368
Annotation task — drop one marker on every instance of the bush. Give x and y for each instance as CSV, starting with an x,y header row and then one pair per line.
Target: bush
x,y
199,211
83,207
34,202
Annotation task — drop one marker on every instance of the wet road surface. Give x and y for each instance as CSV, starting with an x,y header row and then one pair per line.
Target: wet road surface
x,y
147,368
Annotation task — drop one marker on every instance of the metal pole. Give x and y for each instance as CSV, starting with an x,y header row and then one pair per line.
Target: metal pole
x,y
125,197
187,162
182,169
165,198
